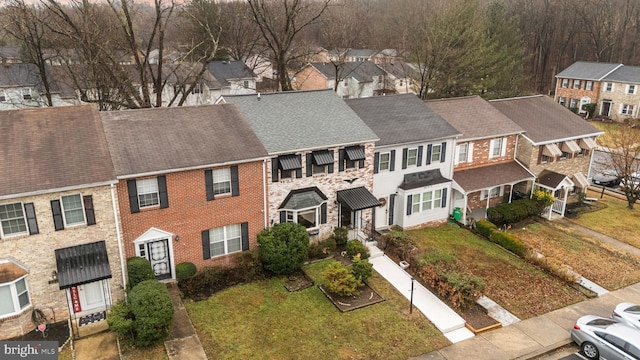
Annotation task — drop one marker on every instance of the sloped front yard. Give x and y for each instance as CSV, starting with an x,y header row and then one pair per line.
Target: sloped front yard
x,y
263,320
521,288
598,262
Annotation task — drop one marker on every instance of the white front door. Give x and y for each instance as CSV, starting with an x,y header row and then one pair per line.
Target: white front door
x,y
91,296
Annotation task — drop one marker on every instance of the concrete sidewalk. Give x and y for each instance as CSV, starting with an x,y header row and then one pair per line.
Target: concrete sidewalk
x,y
445,319
183,342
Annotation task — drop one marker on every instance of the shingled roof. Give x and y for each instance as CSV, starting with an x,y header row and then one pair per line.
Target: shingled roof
x,y
359,70
177,138
474,117
401,119
50,148
302,120
587,70
543,120
224,71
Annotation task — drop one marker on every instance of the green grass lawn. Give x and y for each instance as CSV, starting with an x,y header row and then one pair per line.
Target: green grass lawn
x,y
262,320
616,220
516,285
592,259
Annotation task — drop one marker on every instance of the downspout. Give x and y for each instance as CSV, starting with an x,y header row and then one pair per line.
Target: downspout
x,y
119,237
264,192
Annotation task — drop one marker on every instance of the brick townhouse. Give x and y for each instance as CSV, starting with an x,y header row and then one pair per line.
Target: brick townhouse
x,y
60,250
192,188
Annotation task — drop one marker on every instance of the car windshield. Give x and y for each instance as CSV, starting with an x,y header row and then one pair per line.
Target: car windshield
x,y
635,310
601,322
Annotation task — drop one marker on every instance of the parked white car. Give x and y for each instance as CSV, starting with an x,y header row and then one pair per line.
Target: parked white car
x,y
628,314
607,338
634,180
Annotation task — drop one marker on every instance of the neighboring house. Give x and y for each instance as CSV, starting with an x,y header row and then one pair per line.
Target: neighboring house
x,y
486,172
359,55
413,164
320,172
582,83
21,87
261,66
60,247
620,94
234,76
557,145
355,79
10,54
192,189
387,56
400,77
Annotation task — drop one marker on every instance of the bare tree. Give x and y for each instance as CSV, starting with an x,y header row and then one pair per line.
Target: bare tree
x,y
623,152
280,23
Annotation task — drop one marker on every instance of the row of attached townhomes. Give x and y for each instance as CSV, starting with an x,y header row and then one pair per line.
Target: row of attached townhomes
x,y
81,191
612,87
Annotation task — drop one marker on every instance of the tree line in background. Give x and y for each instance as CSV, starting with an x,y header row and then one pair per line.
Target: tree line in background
x,y
492,48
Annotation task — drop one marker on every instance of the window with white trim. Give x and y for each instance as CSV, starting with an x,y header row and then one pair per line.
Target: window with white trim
x,y
564,83
245,84
626,109
573,103
426,201
588,85
463,152
412,157
631,89
26,93
221,181
608,87
3,96
12,219
384,161
491,193
14,297
305,217
496,148
436,151
197,89
577,84
225,240
562,100
72,210
148,195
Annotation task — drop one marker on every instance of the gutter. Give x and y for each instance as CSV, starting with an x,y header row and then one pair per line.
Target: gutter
x,y
119,237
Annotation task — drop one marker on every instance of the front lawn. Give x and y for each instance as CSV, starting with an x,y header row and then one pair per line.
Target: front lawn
x,y
616,220
519,287
589,257
262,320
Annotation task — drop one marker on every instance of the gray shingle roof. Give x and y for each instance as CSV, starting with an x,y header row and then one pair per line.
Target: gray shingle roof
x,y
25,75
628,74
359,70
401,119
166,139
544,120
300,120
587,70
489,176
400,69
52,148
474,117
229,70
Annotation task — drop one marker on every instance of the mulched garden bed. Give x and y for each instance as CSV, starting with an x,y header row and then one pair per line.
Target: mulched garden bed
x,y
367,297
55,332
297,281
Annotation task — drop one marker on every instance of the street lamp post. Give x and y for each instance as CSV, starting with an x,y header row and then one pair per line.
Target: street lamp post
x,y
411,301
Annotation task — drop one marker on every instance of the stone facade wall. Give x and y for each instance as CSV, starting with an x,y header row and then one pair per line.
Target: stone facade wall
x,y
481,150
529,156
329,184
619,97
189,213
36,253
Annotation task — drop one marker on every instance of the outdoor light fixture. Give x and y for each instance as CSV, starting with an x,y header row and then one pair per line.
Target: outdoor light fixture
x,y
54,277
177,238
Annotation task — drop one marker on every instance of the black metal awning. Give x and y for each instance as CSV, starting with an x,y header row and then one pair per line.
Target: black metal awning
x,y
357,199
355,152
289,162
82,264
324,157
422,179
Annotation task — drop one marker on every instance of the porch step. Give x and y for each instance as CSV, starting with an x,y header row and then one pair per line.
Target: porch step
x,y
374,251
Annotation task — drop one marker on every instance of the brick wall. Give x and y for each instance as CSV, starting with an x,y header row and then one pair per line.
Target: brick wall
x,y
571,93
36,252
189,213
310,79
481,150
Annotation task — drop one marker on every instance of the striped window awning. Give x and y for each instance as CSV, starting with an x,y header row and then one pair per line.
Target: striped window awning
x,y
551,150
289,162
587,143
580,180
324,157
570,146
355,153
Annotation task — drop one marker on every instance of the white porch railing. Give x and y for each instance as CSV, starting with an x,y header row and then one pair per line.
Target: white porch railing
x,y
558,205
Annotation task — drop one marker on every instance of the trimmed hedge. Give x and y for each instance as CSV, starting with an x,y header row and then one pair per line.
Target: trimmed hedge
x,y
509,242
485,228
185,270
139,269
152,310
355,247
284,248
340,280
510,213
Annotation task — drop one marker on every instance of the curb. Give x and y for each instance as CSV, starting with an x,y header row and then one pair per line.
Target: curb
x,y
545,350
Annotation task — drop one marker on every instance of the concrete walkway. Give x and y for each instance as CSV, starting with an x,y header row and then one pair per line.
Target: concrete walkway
x,y
445,319
532,337
602,237
183,342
